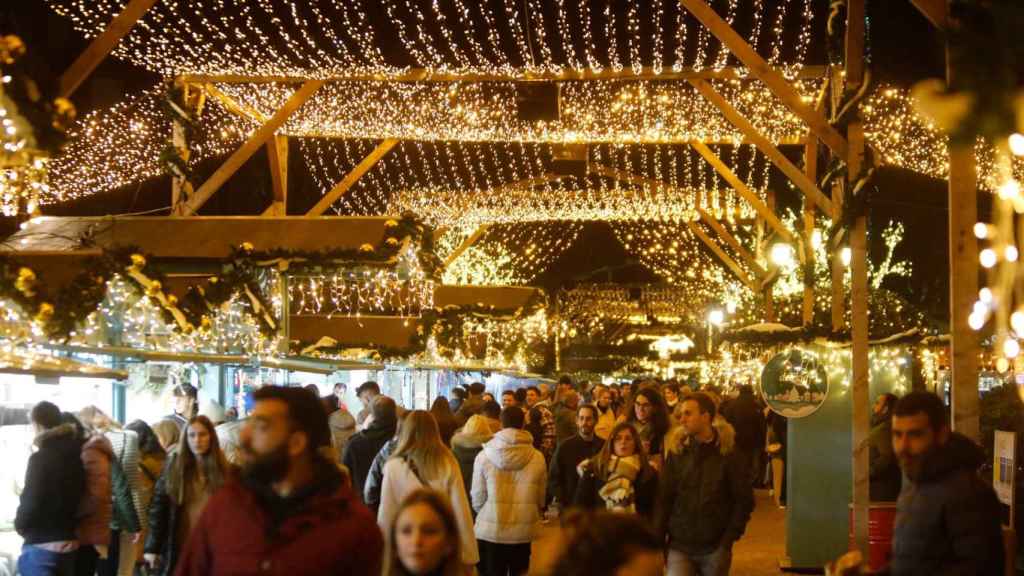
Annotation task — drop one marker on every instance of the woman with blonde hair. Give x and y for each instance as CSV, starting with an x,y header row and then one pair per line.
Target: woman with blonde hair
x,y
423,461
620,476
195,470
424,538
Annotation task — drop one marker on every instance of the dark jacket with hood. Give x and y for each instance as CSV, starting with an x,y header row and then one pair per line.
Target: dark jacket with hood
x,y
54,484
321,529
465,447
362,448
563,479
947,520
706,496
375,479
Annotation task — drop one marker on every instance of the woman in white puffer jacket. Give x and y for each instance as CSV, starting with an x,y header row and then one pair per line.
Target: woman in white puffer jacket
x,y
509,484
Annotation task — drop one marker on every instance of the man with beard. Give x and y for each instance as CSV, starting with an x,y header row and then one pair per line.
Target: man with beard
x,y
947,517
563,479
291,511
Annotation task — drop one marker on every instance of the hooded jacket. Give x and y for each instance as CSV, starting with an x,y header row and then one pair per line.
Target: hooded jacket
x,y
54,483
947,520
362,448
706,495
322,529
96,509
509,480
465,447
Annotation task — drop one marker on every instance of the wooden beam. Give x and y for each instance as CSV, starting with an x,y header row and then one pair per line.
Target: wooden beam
x,y
733,243
233,106
102,45
934,11
743,190
476,235
258,138
795,175
723,256
763,71
352,177
277,153
512,75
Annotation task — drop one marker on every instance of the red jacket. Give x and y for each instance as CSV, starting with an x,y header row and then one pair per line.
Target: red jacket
x,y
332,534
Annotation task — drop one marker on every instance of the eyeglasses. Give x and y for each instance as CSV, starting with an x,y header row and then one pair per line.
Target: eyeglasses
x,y
644,405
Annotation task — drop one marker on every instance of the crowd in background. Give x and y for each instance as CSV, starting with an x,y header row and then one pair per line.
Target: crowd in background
x,y
642,477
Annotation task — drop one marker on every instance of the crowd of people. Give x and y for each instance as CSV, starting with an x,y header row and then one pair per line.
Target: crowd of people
x,y
643,478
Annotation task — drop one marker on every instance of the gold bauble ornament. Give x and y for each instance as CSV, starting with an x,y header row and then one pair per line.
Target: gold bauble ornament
x,y
154,288
45,313
366,248
26,282
390,223
172,300
246,247
11,48
391,241
64,114
138,261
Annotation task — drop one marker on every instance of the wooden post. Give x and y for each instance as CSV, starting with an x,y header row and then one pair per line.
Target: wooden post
x,y
859,397
811,171
963,272
181,189
277,153
769,287
838,268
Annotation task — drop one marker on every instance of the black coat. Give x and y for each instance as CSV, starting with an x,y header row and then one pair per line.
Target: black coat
x,y
361,449
465,448
747,418
947,520
162,538
563,479
645,492
706,496
54,483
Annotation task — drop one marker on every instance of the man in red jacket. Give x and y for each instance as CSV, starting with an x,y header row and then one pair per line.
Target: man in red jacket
x,y
292,511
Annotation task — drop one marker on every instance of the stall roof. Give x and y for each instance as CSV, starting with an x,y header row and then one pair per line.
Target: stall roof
x,y
23,361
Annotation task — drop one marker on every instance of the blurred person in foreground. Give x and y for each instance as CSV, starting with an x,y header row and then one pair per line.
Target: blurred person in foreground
x,y
424,538
54,485
291,511
605,543
947,517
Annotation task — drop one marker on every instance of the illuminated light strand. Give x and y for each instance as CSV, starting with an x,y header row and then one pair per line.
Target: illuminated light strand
x,y
506,254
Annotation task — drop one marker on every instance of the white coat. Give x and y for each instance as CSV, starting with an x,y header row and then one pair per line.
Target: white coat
x,y
509,484
399,482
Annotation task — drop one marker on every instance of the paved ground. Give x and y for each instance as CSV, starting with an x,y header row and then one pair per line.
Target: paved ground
x,y
756,554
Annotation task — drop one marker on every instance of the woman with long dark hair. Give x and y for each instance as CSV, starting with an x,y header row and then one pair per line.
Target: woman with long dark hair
x,y
446,422
423,539
195,470
648,412
620,476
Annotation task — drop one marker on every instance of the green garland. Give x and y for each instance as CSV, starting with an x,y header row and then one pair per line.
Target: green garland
x,y
49,117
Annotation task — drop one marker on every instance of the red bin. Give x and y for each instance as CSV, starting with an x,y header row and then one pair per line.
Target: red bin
x,y
881,520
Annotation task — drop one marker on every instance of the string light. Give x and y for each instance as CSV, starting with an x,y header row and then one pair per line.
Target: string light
x,y
505,254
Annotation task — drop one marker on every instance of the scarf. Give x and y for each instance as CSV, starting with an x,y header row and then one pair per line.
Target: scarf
x,y
618,491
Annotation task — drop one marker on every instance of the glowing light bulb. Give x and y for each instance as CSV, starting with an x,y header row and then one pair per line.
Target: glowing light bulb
x,y
1009,190
1017,144
1017,322
981,230
1011,254
976,321
716,317
987,258
1011,348
846,255
782,254
985,295
816,239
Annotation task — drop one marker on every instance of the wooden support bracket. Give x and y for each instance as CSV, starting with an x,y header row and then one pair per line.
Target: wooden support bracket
x,y
795,175
473,238
277,153
352,177
763,71
101,46
733,243
934,11
723,256
258,139
744,191
233,106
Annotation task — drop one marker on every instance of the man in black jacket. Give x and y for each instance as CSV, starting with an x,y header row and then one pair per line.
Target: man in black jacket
x,y
706,495
54,482
947,519
363,446
746,416
563,479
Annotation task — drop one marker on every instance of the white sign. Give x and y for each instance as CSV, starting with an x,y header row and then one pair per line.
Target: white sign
x,y
1004,465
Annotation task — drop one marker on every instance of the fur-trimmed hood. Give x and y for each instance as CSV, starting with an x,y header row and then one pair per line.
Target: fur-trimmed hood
x,y
56,432
676,439
470,441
